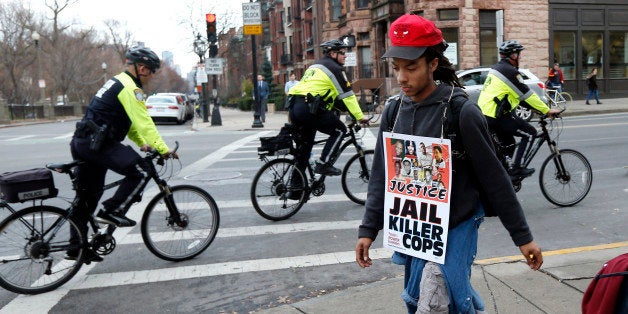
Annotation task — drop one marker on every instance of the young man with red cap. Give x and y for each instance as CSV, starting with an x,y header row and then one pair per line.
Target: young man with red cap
x,y
429,85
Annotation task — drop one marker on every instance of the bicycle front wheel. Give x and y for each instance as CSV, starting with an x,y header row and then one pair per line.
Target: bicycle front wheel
x,y
356,175
566,178
181,240
278,189
564,100
33,245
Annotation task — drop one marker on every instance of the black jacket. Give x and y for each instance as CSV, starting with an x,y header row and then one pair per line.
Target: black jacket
x,y
481,169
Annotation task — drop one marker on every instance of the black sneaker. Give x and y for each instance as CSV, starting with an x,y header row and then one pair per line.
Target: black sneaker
x,y
114,218
519,171
88,256
326,169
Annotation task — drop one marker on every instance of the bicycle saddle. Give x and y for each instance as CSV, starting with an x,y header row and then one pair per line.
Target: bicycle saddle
x,y
64,168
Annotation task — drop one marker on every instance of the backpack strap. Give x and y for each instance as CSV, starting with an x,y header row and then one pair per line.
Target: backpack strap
x,y
391,113
451,125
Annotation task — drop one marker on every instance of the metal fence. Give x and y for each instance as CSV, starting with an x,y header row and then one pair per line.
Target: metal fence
x,y
25,112
21,112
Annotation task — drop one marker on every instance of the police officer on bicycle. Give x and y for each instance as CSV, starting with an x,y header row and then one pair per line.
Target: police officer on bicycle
x,y
503,91
323,88
115,112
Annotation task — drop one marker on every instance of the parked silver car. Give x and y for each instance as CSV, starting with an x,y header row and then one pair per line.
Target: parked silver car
x,y
473,79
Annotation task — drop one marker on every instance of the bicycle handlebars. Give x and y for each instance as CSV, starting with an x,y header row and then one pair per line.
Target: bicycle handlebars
x,y
152,153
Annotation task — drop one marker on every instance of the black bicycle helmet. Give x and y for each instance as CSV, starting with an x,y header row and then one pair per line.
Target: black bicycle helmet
x,y
333,45
509,47
145,56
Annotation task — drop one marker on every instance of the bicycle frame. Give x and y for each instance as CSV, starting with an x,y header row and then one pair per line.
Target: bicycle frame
x,y
348,139
76,203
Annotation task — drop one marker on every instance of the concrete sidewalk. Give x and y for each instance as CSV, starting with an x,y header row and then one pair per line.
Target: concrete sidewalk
x,y
506,285
233,119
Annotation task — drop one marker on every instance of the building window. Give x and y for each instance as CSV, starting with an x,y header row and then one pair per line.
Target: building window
x,y
336,9
618,50
488,38
362,4
592,55
448,15
592,52
451,37
363,36
564,53
280,22
366,65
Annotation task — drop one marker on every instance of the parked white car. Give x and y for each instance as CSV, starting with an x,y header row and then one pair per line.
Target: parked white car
x,y
164,107
189,105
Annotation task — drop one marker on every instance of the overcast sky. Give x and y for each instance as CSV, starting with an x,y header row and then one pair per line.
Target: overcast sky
x,y
163,25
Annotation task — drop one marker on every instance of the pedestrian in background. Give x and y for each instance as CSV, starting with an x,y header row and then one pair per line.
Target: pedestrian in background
x,y
556,78
418,60
262,96
293,81
591,80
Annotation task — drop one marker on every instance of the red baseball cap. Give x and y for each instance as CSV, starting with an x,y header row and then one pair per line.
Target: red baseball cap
x,y
410,35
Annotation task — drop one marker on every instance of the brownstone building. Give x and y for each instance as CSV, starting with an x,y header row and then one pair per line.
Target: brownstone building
x,y
578,34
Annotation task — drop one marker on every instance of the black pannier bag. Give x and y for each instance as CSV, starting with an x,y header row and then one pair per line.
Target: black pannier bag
x,y
20,186
277,145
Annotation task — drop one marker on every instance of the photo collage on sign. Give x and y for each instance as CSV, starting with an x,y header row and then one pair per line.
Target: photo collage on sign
x,y
420,163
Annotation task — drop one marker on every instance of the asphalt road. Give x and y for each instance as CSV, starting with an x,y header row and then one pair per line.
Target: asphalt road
x,y
255,263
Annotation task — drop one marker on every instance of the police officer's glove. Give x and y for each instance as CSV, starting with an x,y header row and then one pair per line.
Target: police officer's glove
x,y
365,121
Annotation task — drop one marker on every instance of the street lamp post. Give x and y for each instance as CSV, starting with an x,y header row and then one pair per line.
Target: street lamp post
x,y
104,72
200,47
42,84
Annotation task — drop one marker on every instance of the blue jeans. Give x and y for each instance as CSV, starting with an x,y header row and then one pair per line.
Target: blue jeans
x,y
593,92
461,249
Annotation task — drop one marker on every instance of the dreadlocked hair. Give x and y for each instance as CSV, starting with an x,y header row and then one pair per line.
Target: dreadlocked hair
x,y
445,71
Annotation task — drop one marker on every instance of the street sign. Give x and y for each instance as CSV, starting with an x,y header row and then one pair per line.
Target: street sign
x,y
213,66
201,75
252,18
351,59
252,13
252,29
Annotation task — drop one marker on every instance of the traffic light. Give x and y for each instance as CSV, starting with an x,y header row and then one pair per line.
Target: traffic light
x,y
213,50
210,19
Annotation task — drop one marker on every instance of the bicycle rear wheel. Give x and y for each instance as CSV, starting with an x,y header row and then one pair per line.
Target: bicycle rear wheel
x,y
278,189
566,178
33,244
173,241
356,175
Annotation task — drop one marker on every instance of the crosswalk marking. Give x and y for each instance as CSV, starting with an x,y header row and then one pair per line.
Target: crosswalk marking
x,y
83,280
64,136
136,238
19,138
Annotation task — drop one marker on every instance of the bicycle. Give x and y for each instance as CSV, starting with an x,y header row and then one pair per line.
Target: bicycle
x,y
179,223
565,177
280,188
554,100
558,100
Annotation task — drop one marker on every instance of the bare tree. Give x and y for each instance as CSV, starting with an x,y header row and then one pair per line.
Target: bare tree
x,y
56,7
120,37
18,74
